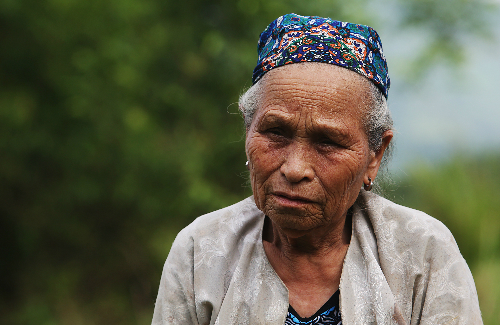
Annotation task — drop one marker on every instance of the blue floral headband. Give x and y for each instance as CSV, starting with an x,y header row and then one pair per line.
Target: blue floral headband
x,y
292,39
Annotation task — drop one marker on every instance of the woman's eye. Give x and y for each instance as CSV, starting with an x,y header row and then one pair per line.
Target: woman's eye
x,y
327,142
276,131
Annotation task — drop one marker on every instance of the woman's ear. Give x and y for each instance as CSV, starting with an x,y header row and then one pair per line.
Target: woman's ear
x,y
376,158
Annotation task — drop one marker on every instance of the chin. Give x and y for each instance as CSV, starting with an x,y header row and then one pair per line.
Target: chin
x,y
294,219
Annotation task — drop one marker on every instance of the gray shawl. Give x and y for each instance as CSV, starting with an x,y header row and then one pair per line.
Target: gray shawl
x,y
402,267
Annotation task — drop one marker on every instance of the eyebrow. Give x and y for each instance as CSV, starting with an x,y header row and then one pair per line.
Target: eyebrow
x,y
319,125
332,131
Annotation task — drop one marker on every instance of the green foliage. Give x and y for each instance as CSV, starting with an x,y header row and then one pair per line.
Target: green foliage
x,y
443,27
119,126
115,134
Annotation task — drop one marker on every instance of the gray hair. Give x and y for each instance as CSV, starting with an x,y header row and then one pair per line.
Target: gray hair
x,y
378,120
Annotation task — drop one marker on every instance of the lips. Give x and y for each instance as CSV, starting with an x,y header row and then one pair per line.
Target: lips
x,y
287,199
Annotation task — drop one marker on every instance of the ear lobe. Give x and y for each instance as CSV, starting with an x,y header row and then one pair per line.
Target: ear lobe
x,y
379,154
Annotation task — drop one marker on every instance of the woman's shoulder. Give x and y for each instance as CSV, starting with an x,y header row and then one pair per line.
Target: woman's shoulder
x,y
217,236
233,223
416,256
386,215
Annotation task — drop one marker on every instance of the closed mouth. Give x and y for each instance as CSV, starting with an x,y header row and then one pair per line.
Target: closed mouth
x,y
292,198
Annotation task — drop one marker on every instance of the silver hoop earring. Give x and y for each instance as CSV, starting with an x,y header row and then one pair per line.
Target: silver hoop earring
x,y
246,165
368,187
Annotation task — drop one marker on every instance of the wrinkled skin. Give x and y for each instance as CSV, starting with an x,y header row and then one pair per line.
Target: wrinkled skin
x,y
307,147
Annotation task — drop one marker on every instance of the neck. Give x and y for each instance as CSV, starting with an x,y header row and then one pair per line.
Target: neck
x,y
317,242
310,265
315,255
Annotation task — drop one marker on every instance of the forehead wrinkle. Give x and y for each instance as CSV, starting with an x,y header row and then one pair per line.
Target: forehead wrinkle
x,y
294,90
312,120
325,75
327,96
330,92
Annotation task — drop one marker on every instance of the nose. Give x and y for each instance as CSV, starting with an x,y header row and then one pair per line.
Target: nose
x,y
297,166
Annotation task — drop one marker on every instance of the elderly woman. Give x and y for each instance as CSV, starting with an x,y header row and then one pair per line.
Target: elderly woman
x,y
313,245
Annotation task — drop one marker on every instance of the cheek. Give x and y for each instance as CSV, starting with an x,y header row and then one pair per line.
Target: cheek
x,y
260,154
264,161
342,178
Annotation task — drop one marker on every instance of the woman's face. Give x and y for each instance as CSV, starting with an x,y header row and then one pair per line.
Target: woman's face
x,y
307,147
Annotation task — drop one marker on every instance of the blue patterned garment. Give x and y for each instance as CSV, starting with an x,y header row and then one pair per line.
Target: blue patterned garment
x,y
328,314
292,39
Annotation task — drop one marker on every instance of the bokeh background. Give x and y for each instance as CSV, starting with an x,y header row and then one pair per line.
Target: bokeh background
x,y
119,126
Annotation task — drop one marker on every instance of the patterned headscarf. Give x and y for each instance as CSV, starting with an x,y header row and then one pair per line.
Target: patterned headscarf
x,y
292,38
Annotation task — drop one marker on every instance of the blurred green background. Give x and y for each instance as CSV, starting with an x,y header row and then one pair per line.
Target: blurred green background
x,y
119,126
